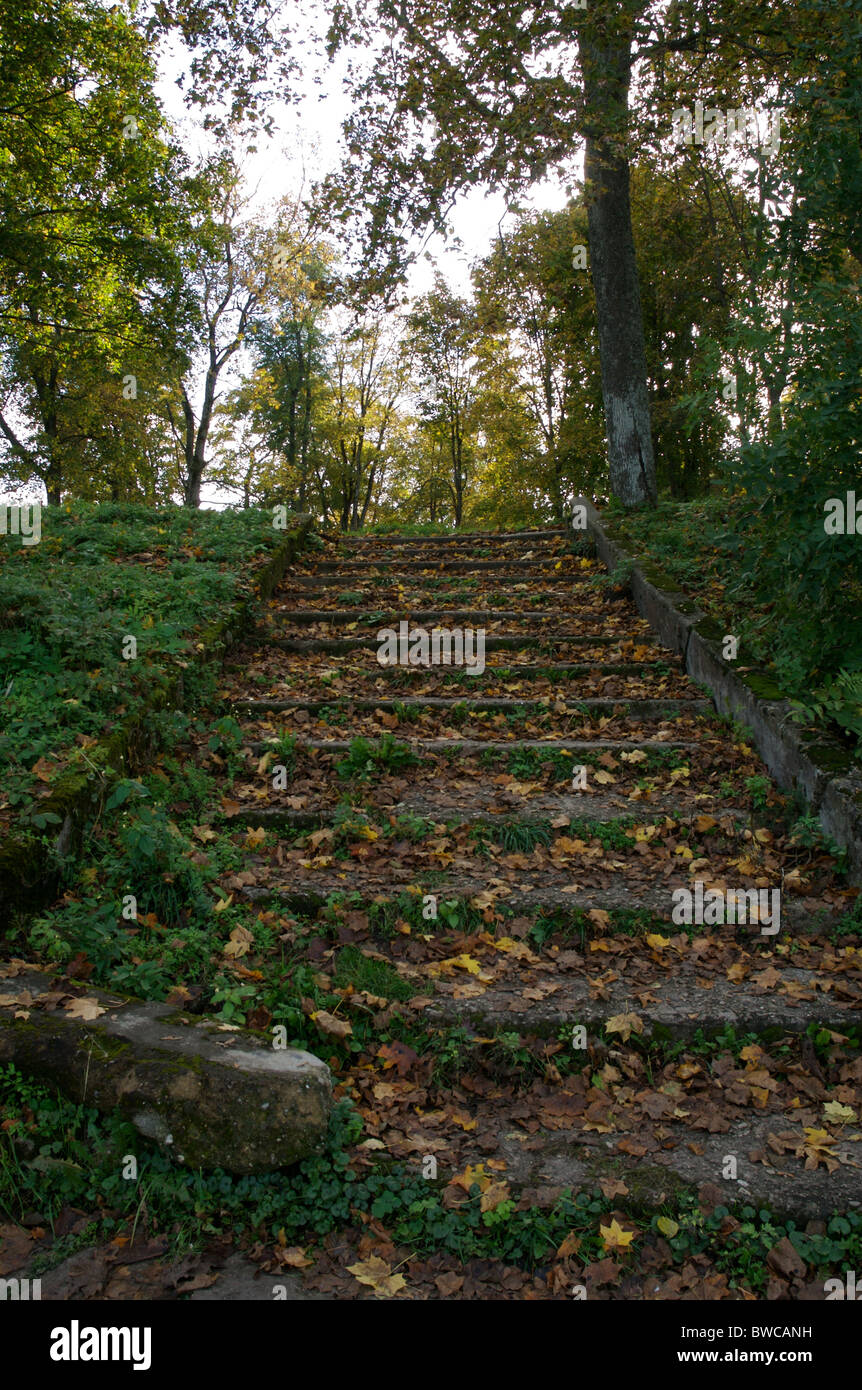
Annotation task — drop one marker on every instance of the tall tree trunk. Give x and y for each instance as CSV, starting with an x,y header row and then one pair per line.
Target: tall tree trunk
x,y
606,65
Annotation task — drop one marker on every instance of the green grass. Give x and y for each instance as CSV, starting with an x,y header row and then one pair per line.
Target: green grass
x,y
100,576
374,976
365,757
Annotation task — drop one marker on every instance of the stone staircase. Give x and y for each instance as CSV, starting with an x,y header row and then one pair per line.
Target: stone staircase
x,y
507,846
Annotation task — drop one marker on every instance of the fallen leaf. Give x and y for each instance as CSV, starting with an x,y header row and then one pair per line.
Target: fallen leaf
x,y
615,1236
625,1025
331,1026
86,1009
377,1275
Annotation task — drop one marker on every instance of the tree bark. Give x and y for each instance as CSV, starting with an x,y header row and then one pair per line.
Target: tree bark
x,y
606,65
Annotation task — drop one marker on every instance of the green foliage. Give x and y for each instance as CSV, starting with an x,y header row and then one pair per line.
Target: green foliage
x,y
514,835
366,757
98,575
78,1164
376,977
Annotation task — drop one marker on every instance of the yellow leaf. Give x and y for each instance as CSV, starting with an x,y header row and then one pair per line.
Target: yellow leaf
x,y
255,837
625,1025
464,963
470,1176
838,1113
493,1195
377,1275
657,942
241,940
615,1236
223,903
294,1256
463,1121
667,1226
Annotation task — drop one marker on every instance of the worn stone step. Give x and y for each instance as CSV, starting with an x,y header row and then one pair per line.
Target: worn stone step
x,y
348,567
477,745
308,894
653,709
571,580
676,1006
336,645
484,810
561,672
459,537
451,616
578,1159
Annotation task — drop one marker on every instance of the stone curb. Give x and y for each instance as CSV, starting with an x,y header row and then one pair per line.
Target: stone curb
x,y
794,758
29,869
211,1096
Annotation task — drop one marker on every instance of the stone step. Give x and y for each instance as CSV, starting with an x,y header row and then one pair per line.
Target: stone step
x,y
653,709
449,616
477,745
677,1006
459,537
590,806
307,894
476,792
776,1179
570,581
562,671
517,642
348,567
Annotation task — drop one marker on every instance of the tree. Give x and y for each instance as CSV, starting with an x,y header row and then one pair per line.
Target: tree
x,y
90,199
533,294
237,267
484,93
366,376
441,330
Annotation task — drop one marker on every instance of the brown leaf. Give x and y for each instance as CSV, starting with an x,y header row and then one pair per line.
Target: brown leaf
x,y
87,1009
331,1026
398,1055
785,1260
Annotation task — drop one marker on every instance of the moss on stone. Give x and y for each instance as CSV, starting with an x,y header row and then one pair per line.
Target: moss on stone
x,y
659,578
646,1182
830,757
762,685
710,630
